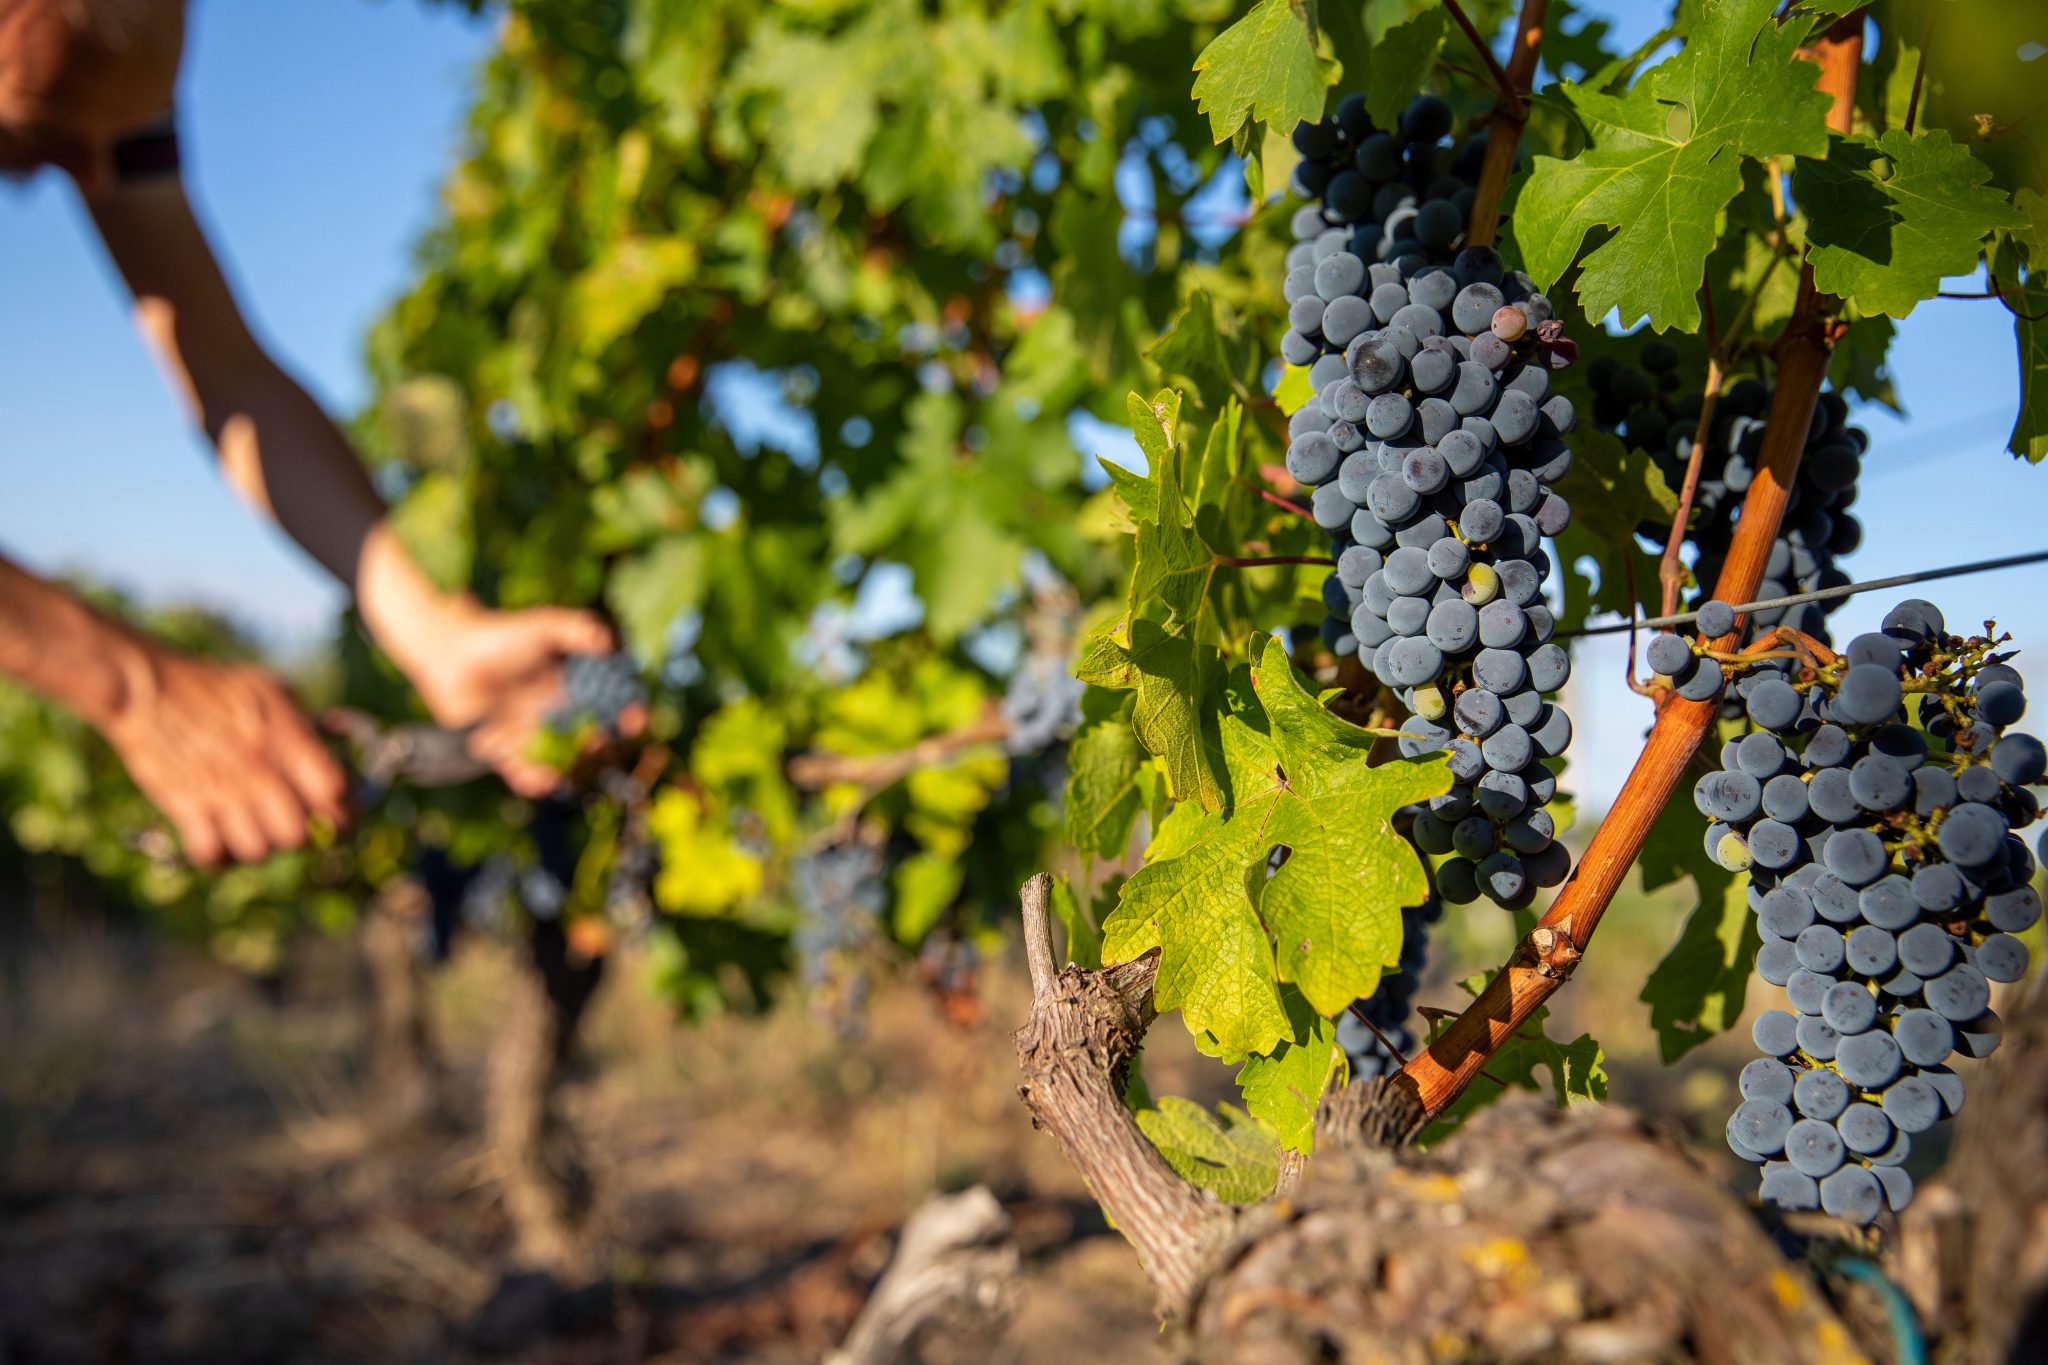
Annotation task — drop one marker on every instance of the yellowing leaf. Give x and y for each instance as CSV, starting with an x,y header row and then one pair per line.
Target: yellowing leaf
x,y
1228,1152
1329,921
703,872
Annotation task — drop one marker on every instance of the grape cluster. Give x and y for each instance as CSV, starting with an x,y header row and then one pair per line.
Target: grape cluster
x,y
600,687
1389,1007
1817,528
840,893
1888,886
1379,195
1431,443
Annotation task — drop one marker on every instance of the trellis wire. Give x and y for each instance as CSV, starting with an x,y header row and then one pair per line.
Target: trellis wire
x,y
1685,618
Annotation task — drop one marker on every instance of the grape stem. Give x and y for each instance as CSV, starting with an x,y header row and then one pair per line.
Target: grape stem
x,y
1503,84
1650,690
1671,570
1267,561
1920,69
1279,501
1545,960
1510,116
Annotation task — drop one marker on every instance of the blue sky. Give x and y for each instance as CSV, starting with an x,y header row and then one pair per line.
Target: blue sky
x,y
316,132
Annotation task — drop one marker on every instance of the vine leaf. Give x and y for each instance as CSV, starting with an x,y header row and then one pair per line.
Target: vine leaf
x,y
1154,650
1698,990
1294,389
1264,67
1102,787
952,521
1888,218
1400,64
1665,158
1329,921
2029,438
1284,1089
1084,940
1228,1152
1191,350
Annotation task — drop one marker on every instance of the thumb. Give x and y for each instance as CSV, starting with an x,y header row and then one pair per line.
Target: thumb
x,y
574,632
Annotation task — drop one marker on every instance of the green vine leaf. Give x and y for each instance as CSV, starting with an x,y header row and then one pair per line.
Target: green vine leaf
x,y
1154,650
1400,64
1614,488
1284,1089
1102,787
1265,67
1329,921
1294,389
1665,158
2028,298
1888,218
1228,1152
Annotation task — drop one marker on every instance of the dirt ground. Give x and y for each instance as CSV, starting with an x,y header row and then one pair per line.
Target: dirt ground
x,y
186,1173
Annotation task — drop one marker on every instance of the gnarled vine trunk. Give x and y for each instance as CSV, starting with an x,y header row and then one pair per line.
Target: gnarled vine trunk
x,y
402,1074
1531,1234
545,1187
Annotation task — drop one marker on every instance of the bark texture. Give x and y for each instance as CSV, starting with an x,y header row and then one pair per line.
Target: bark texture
x,y
547,1192
403,1074
954,1277
1075,1052
1533,1234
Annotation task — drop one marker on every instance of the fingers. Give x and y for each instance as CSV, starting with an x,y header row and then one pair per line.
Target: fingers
x,y
279,816
241,834
502,742
196,832
572,631
315,777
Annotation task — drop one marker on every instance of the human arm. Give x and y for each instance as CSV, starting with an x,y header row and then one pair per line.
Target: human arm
x,y
496,671
220,749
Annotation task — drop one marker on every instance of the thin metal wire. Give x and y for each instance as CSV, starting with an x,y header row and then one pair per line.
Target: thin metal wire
x,y
1686,618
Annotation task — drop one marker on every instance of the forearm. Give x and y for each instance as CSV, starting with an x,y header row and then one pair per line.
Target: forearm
x,y
59,646
276,446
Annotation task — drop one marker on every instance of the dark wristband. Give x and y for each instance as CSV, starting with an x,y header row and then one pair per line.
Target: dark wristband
x,y
147,154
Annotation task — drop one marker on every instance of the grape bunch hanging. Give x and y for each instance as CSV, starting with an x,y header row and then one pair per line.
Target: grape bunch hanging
x,y
1888,883
1636,402
1431,444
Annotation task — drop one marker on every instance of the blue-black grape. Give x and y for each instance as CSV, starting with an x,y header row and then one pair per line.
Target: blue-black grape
x,y
1887,904
1432,366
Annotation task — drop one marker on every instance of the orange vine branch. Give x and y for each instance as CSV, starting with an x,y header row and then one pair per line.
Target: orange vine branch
x,y
1510,116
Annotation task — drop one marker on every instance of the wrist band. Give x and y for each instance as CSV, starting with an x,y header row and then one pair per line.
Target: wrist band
x,y
144,155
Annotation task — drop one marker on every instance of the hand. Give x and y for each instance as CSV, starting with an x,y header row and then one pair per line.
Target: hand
x,y
501,672
224,752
